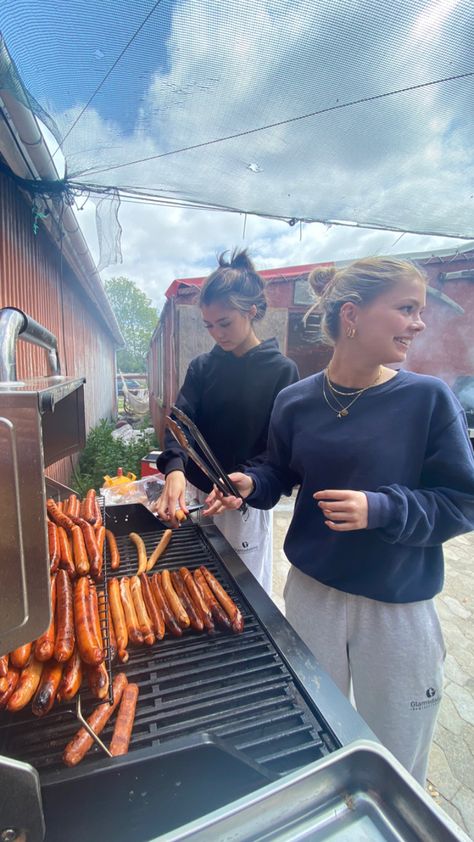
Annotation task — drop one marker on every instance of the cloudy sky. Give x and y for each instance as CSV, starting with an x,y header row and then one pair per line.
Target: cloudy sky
x,y
323,111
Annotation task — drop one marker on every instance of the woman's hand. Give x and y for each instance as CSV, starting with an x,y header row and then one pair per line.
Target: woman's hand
x,y
172,497
344,510
216,502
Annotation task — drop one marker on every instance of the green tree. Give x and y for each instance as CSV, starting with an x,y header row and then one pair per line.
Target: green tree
x,y
137,320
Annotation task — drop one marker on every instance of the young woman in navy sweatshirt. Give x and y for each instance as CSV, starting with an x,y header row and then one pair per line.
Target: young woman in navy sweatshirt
x,y
385,471
229,394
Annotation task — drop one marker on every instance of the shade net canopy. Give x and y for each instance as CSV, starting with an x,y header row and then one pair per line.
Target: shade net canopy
x,y
338,111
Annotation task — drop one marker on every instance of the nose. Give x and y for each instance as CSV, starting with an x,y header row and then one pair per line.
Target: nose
x,y
418,324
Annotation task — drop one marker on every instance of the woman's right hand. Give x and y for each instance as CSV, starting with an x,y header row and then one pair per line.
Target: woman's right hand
x,y
172,497
216,502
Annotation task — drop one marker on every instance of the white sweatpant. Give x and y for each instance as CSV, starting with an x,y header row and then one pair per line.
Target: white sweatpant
x,y
250,535
388,656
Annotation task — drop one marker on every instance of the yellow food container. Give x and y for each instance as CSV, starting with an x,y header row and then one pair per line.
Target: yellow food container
x,y
120,479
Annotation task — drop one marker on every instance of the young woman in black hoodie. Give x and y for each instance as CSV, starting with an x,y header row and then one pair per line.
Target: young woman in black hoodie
x,y
229,394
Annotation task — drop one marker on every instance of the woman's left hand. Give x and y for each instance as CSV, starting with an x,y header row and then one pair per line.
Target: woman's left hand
x,y
344,510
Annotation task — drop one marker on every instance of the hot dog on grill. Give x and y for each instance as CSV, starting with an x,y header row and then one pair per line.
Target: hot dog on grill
x,y
144,621
90,647
159,549
11,681
100,535
72,506
81,559
27,685
141,551
82,742
155,614
66,560
20,656
92,548
3,665
89,511
98,680
185,599
198,600
118,619
170,622
98,515
47,689
113,550
124,722
71,679
58,516
65,636
53,546
223,597
44,646
217,611
133,629
173,600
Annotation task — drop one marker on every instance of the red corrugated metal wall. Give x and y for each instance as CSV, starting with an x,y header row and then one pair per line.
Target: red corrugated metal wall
x,y
34,278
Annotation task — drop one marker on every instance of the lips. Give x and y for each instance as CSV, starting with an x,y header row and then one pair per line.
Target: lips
x,y
403,341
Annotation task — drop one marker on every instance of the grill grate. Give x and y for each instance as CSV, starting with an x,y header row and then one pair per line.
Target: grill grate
x,y
236,687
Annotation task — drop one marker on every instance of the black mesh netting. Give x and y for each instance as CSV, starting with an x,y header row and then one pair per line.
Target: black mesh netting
x,y
339,110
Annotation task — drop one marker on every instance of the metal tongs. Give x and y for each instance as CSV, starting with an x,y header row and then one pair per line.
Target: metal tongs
x,y
212,468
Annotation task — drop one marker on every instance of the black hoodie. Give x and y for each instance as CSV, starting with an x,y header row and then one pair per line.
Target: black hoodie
x,y
229,399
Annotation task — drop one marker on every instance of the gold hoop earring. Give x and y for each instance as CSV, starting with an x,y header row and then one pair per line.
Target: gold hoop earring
x,y
350,332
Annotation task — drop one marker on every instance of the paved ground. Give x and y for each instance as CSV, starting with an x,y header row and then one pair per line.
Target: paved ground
x,y
451,769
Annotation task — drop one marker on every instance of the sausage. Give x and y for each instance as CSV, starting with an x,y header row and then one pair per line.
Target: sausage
x,y
89,646
27,685
98,515
11,681
3,665
141,550
20,656
66,560
124,722
217,611
81,560
89,511
171,624
184,598
47,689
229,606
174,600
100,537
95,614
112,638
80,744
71,679
44,646
134,633
70,505
65,637
113,550
118,619
58,516
197,599
53,546
92,548
159,549
98,680
144,621
155,614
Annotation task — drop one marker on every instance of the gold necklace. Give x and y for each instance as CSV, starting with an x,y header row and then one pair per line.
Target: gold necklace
x,y
357,391
341,410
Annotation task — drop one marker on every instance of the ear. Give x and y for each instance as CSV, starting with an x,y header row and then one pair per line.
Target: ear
x,y
348,314
252,312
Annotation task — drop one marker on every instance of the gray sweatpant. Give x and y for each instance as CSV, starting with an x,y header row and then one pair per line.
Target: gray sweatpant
x,y
387,657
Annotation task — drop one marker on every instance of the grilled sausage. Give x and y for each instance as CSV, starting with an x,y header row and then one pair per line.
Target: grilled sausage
x,y
141,551
155,614
81,560
71,505
159,549
53,546
89,645
89,512
71,679
47,689
217,611
197,599
133,629
98,515
27,685
186,602
118,619
170,622
92,548
44,646
173,600
113,550
124,722
100,536
3,665
66,560
98,680
144,621
65,637
229,606
20,656
58,516
113,649
11,681
80,744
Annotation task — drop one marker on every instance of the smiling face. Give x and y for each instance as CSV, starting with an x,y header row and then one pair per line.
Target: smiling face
x,y
230,329
385,328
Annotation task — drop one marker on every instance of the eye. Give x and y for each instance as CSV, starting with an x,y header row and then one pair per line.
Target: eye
x,y
224,324
408,308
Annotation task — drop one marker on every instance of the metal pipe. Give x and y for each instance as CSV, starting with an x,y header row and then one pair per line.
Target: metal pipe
x,y
15,323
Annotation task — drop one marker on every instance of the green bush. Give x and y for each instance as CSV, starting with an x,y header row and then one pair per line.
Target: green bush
x,y
104,455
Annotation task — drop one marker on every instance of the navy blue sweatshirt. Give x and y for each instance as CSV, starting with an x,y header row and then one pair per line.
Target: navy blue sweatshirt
x,y
405,444
230,399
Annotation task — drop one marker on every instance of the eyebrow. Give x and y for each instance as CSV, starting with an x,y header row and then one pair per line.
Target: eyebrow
x,y
223,319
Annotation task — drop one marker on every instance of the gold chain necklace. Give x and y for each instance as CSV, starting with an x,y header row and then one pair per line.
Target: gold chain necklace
x,y
341,410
